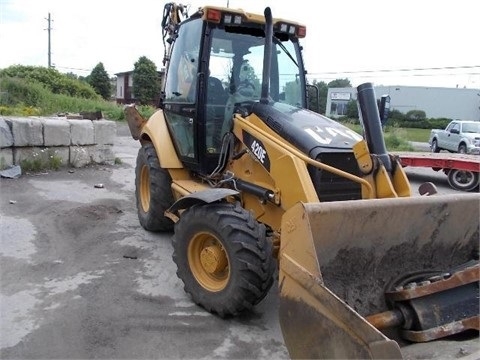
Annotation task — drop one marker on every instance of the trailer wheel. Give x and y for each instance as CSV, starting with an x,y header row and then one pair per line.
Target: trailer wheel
x,y
463,179
223,257
435,147
152,190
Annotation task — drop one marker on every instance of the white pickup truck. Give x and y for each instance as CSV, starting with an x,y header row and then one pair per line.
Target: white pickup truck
x,y
459,136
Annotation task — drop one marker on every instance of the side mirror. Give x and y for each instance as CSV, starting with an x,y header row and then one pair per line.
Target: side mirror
x,y
384,109
455,131
317,97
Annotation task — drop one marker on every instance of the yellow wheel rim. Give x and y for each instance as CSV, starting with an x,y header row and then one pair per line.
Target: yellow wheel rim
x,y
209,262
145,188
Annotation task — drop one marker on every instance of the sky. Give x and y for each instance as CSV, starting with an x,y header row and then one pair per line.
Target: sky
x,y
433,43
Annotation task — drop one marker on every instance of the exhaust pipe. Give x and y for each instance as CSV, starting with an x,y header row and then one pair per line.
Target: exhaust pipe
x,y
372,125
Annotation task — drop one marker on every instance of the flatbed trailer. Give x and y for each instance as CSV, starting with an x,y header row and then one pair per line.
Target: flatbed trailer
x,y
462,170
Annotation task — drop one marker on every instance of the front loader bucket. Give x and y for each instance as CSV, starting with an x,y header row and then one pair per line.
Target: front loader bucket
x,y
338,259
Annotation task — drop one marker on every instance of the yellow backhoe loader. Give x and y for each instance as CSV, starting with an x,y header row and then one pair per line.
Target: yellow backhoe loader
x,y
250,180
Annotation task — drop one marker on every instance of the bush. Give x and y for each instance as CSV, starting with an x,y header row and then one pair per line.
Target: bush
x,y
51,79
21,97
416,115
18,91
415,119
395,140
416,124
440,123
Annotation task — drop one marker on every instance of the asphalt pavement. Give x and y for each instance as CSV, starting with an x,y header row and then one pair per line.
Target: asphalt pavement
x,y
80,278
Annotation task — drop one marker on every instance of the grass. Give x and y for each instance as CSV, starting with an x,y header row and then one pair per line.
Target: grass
x,y
42,160
21,98
417,135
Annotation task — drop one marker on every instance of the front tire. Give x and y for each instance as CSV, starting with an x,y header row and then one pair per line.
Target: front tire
x,y
462,149
223,257
153,190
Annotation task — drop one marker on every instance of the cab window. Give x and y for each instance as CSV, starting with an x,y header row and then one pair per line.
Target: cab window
x,y
181,87
181,80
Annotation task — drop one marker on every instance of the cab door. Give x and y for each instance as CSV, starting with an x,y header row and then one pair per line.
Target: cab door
x,y
180,103
454,137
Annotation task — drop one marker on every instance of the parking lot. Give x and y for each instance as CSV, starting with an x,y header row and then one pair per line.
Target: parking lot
x,y
81,279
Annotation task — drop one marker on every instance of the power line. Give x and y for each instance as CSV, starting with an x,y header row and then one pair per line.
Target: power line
x,y
397,70
70,68
332,76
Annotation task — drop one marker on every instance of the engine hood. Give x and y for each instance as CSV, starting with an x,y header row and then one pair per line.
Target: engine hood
x,y
310,132
472,136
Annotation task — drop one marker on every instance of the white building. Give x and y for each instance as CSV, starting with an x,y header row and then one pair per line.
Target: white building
x,y
451,103
124,93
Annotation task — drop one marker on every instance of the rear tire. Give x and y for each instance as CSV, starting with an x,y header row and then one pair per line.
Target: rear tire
x,y
435,148
223,257
153,191
463,180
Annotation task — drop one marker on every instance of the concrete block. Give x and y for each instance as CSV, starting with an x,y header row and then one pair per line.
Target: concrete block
x,y
26,131
6,158
62,152
56,132
81,132
102,154
105,131
40,156
6,137
79,156
30,153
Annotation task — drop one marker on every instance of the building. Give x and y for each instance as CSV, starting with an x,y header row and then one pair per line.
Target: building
x,y
124,88
451,103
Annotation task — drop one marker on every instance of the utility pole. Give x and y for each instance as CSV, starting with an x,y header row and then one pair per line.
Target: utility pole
x,y
49,41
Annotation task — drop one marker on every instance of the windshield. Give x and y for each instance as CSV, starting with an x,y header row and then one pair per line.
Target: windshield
x,y
471,127
237,61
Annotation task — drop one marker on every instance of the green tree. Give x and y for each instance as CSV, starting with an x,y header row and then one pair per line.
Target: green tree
x,y
416,115
100,81
339,83
322,86
319,104
352,109
146,82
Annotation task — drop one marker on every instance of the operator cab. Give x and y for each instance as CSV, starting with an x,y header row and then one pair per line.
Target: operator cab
x,y
216,64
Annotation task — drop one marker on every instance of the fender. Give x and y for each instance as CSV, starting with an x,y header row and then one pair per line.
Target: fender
x,y
201,197
156,131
